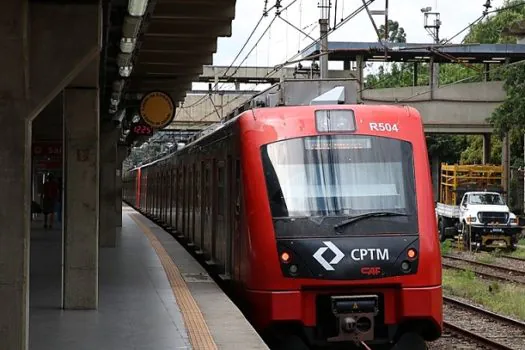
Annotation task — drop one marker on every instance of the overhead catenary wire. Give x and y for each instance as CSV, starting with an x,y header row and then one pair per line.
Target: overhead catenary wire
x,y
265,13
435,48
294,59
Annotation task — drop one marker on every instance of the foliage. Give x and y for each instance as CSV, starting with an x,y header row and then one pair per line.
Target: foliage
x,y
507,117
396,34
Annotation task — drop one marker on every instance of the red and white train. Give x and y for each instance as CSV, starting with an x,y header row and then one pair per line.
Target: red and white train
x,y
321,217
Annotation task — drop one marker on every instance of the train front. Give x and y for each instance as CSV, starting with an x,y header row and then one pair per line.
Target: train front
x,y
354,254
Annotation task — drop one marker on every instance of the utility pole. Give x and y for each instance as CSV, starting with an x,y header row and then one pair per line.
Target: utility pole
x,y
432,27
324,6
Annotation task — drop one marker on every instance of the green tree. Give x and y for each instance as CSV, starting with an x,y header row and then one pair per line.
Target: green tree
x,y
396,34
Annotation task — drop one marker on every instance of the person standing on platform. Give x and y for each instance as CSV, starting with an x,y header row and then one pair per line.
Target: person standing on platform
x,y
59,201
49,199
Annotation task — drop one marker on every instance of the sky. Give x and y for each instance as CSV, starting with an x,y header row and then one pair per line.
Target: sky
x,y
282,41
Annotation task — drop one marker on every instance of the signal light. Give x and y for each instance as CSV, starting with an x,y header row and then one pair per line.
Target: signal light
x,y
285,257
411,253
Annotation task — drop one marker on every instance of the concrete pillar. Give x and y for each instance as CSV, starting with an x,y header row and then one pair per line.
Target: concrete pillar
x,y
505,161
360,66
486,149
108,170
81,209
36,63
415,73
435,176
15,164
122,153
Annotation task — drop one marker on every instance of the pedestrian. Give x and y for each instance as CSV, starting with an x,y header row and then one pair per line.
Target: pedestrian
x,y
49,198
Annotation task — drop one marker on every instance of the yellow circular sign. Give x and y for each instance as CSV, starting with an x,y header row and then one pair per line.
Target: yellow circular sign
x,y
156,109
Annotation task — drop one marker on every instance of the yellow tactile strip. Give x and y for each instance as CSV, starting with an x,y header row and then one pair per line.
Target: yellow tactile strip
x,y
198,331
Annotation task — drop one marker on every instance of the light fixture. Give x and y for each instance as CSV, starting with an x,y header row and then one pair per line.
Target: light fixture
x,y
136,118
127,45
118,85
125,71
123,59
137,8
131,26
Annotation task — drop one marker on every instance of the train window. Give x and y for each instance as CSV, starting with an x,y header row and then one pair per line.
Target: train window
x,y
341,176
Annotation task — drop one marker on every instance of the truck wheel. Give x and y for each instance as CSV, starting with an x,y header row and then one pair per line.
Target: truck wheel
x,y
466,237
442,227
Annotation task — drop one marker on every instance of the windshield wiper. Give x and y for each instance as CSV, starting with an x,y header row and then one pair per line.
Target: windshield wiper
x,y
367,215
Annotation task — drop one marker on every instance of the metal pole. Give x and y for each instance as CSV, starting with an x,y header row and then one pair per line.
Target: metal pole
x,y
386,29
323,26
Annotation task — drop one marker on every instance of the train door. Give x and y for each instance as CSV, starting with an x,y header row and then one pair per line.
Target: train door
x,y
236,201
207,214
220,209
173,202
197,209
191,204
181,200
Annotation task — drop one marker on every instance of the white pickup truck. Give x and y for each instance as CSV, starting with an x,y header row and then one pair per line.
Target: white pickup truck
x,y
482,218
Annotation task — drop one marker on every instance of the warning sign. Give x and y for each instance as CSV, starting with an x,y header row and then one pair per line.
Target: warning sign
x,y
157,109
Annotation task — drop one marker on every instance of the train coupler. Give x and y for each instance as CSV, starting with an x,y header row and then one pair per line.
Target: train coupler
x,y
355,317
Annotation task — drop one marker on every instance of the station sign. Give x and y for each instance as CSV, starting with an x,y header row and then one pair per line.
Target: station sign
x,y
157,109
47,149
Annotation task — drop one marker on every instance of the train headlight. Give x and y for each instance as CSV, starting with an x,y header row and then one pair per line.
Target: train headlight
x,y
405,266
285,257
412,253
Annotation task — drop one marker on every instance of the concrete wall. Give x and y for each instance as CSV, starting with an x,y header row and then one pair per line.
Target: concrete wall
x,y
460,108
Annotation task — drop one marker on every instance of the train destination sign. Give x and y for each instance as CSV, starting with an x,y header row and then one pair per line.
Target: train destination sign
x,y
157,109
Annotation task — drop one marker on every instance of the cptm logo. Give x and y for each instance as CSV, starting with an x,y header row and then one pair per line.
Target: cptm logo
x,y
318,255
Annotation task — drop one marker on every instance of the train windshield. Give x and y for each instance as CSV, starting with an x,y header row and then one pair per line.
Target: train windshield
x,y
340,175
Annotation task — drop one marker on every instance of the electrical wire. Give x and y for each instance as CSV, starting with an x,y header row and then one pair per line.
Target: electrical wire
x,y
435,48
293,59
265,13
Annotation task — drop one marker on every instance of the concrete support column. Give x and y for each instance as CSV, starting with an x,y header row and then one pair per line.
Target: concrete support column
x,y
505,161
108,170
15,165
122,153
486,148
360,77
81,209
414,76
435,176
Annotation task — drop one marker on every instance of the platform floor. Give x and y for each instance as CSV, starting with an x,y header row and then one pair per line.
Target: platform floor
x,y
138,308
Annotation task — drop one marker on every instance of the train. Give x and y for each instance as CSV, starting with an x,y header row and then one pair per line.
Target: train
x,y
319,218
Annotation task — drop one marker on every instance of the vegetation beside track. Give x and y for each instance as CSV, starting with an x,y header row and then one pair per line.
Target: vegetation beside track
x,y
503,298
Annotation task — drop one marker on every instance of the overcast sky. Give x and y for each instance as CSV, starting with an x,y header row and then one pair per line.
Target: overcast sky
x,y
282,41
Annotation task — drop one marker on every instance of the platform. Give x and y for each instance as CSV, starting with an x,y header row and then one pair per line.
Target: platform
x,y
139,306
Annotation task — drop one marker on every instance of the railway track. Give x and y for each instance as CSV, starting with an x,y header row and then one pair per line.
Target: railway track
x,y
488,329
512,258
487,271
